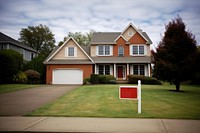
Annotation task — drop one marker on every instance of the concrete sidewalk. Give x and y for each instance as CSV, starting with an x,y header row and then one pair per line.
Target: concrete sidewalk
x,y
115,125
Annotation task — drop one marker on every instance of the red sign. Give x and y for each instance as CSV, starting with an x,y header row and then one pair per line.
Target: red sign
x,y
128,92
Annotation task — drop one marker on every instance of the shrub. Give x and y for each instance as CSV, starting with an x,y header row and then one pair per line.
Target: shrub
x,y
133,79
94,78
21,77
86,81
33,76
102,79
11,63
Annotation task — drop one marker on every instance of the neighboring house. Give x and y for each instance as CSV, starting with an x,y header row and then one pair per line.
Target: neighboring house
x,y
110,53
7,42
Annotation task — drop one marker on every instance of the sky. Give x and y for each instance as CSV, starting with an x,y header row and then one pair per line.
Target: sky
x,y
64,16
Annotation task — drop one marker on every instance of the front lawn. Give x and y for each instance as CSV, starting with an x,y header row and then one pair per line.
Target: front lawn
x,y
103,101
5,88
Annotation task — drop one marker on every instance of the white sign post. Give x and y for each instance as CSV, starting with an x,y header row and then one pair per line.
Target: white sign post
x,y
132,93
139,97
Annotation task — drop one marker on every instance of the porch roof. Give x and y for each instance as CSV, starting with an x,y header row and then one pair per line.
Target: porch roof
x,y
138,59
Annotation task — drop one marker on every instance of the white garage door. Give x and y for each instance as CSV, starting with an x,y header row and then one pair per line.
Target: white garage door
x,y
67,76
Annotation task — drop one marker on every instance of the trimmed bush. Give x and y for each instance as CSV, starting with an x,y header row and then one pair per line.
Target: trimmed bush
x,y
21,77
133,79
86,81
94,78
102,79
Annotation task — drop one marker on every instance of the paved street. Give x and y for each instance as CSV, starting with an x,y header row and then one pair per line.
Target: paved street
x,y
20,102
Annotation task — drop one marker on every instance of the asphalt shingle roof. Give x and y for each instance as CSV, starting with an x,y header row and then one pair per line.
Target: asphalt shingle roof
x,y
6,39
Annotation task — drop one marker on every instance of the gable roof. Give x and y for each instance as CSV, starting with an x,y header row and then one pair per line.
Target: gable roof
x,y
138,31
57,49
112,37
104,37
6,39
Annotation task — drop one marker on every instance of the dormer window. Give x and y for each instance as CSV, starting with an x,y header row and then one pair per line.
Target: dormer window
x,y
70,52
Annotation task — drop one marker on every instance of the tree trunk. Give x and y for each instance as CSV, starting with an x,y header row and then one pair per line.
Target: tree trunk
x,y
177,84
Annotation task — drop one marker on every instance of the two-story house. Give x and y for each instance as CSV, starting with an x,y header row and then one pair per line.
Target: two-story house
x,y
7,42
109,53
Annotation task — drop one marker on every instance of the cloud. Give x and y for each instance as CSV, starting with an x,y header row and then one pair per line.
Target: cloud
x,y
65,16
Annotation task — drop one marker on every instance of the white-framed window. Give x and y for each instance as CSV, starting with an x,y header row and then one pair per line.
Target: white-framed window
x,y
104,50
120,51
136,50
104,69
22,51
138,70
32,55
70,52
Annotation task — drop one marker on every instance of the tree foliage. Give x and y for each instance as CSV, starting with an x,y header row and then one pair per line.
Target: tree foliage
x,y
174,59
11,63
37,65
82,39
39,38
32,75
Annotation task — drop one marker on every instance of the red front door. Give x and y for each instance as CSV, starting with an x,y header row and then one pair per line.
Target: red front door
x,y
120,72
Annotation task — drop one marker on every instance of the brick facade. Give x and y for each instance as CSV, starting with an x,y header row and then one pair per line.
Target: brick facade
x,y
87,70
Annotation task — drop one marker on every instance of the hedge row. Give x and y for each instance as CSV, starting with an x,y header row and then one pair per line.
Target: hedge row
x,y
102,79
133,79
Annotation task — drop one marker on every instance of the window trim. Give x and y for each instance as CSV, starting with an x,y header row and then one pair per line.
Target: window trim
x,y
104,50
67,51
104,69
139,69
138,50
121,53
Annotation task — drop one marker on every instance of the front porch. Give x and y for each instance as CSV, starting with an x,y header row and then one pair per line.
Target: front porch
x,y
121,70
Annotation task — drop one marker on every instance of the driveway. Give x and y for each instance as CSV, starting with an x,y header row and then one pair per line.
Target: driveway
x,y
21,102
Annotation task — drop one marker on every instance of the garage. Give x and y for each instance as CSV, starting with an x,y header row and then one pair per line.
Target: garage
x,y
67,76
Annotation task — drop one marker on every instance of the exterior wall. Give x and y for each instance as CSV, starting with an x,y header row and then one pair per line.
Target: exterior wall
x,y
125,34
93,51
137,39
121,42
61,53
26,53
87,70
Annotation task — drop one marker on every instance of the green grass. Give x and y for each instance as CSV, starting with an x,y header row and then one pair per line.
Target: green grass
x,y
14,87
103,101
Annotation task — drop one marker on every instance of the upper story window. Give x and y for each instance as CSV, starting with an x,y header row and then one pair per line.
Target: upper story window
x,y
120,51
104,50
32,55
137,50
70,52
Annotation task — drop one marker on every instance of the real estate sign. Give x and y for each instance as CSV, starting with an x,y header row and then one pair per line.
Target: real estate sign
x,y
131,93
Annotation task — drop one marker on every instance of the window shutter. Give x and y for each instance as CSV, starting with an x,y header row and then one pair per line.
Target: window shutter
x,y
66,51
131,49
111,50
75,51
97,50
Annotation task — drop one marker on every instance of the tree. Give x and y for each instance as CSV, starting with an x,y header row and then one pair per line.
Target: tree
x,y
174,57
37,65
82,39
32,75
11,63
39,38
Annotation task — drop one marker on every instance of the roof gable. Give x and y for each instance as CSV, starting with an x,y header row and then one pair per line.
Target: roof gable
x,y
6,39
120,37
137,31
51,56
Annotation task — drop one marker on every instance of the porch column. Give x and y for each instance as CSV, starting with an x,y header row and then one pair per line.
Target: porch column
x,y
127,69
149,70
95,68
114,74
